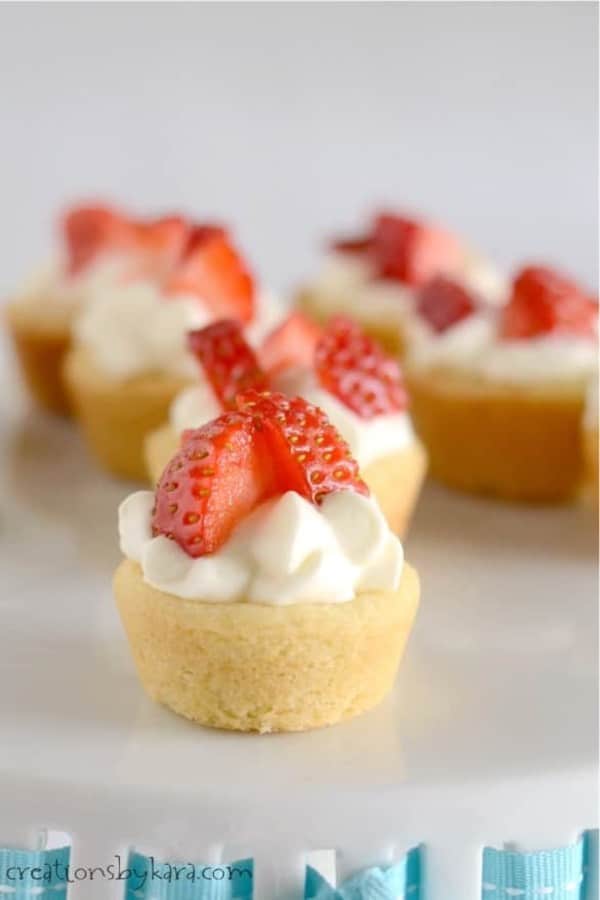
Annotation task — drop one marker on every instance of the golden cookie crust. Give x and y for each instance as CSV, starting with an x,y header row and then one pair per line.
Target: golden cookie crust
x,y
254,667
116,416
41,343
513,442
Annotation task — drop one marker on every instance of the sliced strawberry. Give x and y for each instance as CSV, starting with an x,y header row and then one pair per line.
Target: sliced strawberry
x,y
158,244
443,302
220,474
200,233
292,343
213,270
412,252
91,230
228,361
308,454
545,302
354,368
356,246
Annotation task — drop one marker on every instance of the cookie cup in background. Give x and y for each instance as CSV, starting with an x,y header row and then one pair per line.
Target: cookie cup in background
x,y
390,331
115,415
396,481
41,337
253,667
589,441
590,454
517,442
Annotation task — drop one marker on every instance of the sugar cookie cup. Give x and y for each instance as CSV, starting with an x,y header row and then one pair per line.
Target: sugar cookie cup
x,y
253,667
515,442
41,342
262,589
116,415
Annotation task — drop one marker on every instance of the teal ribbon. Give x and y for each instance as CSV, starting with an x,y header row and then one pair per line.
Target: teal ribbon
x,y
29,874
152,879
400,881
568,873
560,874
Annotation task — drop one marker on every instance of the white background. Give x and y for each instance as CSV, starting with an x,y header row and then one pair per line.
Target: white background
x,y
294,120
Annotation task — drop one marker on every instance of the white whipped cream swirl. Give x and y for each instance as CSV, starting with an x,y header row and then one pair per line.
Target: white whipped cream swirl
x,y
347,284
473,346
133,329
286,551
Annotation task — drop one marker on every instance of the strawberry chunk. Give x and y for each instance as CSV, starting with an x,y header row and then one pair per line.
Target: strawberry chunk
x,y
220,474
309,455
228,361
354,368
544,301
292,343
91,230
443,302
213,271
159,243
356,246
411,252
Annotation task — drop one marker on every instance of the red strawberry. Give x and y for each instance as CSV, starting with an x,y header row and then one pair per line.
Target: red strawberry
x,y
443,302
353,367
411,252
200,233
545,302
354,246
227,359
220,474
159,243
212,270
91,230
308,454
292,343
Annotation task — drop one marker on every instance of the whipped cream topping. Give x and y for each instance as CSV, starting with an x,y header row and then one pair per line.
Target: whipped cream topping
x,y
63,293
286,551
346,283
133,329
473,346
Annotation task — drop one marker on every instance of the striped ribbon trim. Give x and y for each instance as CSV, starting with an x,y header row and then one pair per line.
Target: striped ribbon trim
x,y
568,873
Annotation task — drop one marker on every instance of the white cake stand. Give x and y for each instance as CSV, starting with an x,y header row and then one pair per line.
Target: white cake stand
x,y
490,735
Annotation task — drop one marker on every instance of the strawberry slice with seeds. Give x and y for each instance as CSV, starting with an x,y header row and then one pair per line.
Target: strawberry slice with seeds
x,y
443,302
411,252
213,271
309,455
292,343
91,230
219,475
227,359
355,369
544,301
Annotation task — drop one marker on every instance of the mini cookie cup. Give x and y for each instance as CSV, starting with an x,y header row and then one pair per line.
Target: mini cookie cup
x,y
516,442
254,667
41,343
116,415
